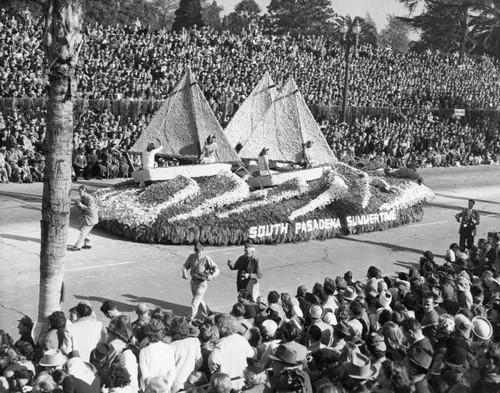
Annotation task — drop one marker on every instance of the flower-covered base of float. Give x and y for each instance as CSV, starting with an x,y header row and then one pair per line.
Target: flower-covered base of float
x,y
220,210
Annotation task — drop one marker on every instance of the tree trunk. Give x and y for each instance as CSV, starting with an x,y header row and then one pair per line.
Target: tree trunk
x,y
62,42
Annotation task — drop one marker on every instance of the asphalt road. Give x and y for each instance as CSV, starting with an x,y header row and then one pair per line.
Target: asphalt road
x,y
129,273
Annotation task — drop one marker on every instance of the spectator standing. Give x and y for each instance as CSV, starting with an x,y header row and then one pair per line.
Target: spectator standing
x,y
84,334
157,358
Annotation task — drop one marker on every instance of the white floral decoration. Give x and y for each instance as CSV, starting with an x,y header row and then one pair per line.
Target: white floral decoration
x,y
410,194
126,207
336,190
300,187
239,193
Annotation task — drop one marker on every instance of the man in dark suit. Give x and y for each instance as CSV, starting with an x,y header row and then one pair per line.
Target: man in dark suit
x,y
468,219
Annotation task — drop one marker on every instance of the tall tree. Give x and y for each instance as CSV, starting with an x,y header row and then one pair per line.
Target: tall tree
x,y
395,35
62,41
245,13
188,14
211,15
445,24
301,16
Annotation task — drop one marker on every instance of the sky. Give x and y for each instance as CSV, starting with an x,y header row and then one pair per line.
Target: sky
x,y
378,9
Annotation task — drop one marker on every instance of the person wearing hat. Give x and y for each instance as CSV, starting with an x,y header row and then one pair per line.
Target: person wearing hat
x,y
288,373
249,271
24,327
202,269
256,380
317,313
359,370
418,362
88,218
469,219
268,331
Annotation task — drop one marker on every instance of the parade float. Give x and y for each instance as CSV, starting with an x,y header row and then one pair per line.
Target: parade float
x,y
232,204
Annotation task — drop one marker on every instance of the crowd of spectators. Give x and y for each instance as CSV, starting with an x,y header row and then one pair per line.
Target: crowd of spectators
x,y
433,328
117,63
416,141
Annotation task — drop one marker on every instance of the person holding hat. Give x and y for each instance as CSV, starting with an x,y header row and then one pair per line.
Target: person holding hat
x,y
469,219
249,271
202,269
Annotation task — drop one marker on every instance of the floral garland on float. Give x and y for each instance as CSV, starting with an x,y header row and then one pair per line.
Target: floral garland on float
x,y
287,190
220,210
337,188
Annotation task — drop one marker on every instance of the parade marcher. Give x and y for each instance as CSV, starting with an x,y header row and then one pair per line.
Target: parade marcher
x,y
89,218
249,272
203,269
469,220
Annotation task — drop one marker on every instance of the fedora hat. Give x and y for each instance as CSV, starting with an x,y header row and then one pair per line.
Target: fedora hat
x,y
349,293
316,311
285,355
53,358
343,327
482,328
361,367
460,263
420,357
438,296
99,353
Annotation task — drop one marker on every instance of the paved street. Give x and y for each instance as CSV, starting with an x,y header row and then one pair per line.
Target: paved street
x,y
129,272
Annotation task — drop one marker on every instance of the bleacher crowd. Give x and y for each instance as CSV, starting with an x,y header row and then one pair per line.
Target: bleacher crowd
x,y
434,328
116,63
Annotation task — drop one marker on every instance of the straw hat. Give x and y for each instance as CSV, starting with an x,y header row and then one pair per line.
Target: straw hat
x,y
482,328
53,358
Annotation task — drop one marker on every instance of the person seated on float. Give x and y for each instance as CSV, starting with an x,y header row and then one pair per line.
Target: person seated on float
x,y
308,160
148,155
263,163
209,154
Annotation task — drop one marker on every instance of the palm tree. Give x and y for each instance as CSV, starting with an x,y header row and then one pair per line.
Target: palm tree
x,y
62,42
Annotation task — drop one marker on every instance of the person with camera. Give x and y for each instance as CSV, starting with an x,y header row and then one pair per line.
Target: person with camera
x,y
469,220
249,272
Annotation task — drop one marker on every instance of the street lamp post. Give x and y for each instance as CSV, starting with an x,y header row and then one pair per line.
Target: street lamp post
x,y
349,40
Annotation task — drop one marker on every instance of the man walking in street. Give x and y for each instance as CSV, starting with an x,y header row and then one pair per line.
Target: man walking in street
x,y
89,218
203,269
469,220
249,272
